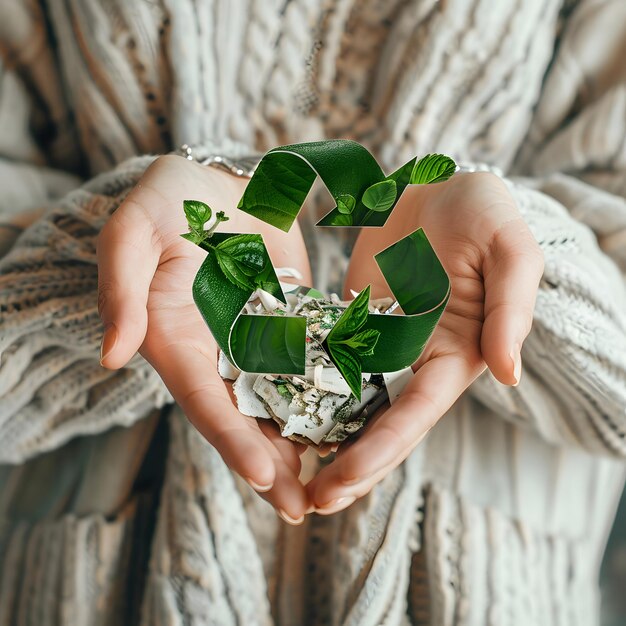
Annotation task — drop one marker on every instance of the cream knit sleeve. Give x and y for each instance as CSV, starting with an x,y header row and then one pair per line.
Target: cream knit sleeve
x,y
573,387
39,157
52,387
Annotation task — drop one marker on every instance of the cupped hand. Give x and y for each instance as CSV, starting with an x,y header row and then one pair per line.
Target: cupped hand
x,y
494,265
145,276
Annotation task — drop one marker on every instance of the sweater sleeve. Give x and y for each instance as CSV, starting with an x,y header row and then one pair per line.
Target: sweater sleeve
x,y
573,388
39,155
52,387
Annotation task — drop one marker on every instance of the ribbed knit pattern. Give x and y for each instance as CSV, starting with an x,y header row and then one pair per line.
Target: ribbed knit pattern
x,y
500,516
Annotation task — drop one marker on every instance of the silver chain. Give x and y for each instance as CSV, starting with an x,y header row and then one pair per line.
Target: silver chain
x,y
243,166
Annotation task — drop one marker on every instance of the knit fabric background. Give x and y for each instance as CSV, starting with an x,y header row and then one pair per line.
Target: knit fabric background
x,y
113,509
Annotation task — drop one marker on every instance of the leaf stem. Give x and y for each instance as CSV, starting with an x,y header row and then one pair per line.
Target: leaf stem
x,y
219,218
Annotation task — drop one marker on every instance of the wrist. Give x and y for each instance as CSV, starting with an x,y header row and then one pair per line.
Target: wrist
x,y
232,166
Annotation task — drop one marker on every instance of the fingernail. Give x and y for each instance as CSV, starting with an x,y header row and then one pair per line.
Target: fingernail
x,y
257,487
289,519
109,339
310,509
517,363
335,505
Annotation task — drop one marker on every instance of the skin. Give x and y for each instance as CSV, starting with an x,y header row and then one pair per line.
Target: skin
x,y
494,266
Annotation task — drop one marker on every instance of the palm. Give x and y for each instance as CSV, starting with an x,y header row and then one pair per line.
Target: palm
x,y
488,253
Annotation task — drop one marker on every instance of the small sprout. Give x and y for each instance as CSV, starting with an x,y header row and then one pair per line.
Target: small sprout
x,y
198,214
433,168
341,219
345,204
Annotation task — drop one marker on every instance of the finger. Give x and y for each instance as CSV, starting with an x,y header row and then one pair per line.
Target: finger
x,y
287,495
512,270
288,450
128,255
387,441
196,385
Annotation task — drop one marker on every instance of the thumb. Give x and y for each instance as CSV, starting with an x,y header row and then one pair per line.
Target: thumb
x,y
512,270
127,260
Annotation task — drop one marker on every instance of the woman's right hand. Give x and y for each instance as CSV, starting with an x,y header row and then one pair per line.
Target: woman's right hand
x,y
145,276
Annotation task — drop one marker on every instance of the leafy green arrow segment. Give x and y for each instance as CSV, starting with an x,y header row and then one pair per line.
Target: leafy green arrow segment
x,y
347,342
422,288
262,343
363,195
235,266
278,188
254,343
283,178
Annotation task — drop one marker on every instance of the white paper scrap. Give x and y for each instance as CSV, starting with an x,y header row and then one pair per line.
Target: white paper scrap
x,y
396,382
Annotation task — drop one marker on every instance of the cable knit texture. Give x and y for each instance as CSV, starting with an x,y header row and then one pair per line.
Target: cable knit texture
x,y
113,509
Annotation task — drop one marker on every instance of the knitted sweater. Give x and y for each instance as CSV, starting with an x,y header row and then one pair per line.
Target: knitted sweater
x,y
113,509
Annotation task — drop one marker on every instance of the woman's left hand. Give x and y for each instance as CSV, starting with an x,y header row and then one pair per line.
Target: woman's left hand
x,y
494,265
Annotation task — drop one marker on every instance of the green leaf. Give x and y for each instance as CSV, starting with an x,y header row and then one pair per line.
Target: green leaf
x,y
352,319
284,392
345,203
249,250
349,364
194,236
246,263
232,270
380,196
197,214
433,168
338,219
345,343
242,258
364,342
